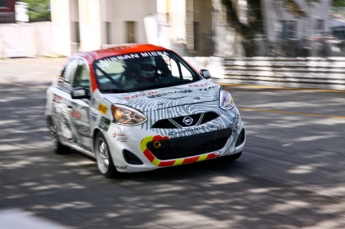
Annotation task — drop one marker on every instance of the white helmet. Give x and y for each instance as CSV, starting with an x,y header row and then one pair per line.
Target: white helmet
x,y
146,67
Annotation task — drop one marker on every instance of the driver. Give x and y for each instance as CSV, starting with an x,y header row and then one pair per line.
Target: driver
x,y
139,71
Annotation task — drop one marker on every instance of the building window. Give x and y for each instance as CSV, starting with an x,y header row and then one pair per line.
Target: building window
x,y
108,32
130,33
288,29
319,26
3,3
76,32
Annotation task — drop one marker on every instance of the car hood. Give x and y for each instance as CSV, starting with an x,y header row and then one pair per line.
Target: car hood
x,y
155,99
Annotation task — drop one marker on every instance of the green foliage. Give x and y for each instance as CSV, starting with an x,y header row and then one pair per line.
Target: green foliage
x,y
338,3
294,8
39,10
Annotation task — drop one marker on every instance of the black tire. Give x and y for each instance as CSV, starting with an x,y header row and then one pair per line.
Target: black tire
x,y
231,158
103,157
57,147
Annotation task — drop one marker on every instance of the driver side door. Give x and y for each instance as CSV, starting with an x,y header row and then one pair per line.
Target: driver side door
x,y
80,108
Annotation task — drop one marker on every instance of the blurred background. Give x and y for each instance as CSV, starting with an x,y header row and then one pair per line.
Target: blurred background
x,y
220,28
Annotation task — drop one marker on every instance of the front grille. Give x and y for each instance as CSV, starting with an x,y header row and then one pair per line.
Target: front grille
x,y
177,122
191,145
209,116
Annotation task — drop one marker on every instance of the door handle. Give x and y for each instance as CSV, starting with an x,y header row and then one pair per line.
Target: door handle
x,y
70,106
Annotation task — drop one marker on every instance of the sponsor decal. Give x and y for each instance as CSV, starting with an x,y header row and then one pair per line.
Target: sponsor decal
x,y
75,114
207,88
192,129
121,167
57,98
93,118
198,85
120,137
102,108
170,93
157,53
161,163
83,130
105,61
104,123
93,101
140,95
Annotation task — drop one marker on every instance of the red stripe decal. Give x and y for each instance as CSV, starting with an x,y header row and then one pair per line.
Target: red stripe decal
x,y
190,160
211,155
149,155
167,163
158,138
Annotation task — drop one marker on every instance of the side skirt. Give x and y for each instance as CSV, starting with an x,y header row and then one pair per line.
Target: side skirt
x,y
80,149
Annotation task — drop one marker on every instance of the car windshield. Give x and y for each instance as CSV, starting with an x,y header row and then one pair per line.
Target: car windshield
x,y
141,71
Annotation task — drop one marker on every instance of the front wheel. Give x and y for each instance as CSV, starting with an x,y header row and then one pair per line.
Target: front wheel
x,y
103,157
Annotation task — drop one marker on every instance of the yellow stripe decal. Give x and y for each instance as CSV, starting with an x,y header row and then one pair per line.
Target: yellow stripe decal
x,y
144,142
202,157
156,162
178,162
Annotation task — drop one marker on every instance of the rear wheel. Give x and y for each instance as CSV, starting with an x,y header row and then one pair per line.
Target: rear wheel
x,y
103,157
57,147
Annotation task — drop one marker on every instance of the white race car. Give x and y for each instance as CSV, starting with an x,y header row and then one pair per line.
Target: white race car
x,y
141,107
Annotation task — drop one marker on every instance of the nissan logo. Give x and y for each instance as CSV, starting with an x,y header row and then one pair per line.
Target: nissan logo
x,y
187,120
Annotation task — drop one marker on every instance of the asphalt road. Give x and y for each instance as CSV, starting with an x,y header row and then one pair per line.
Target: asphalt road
x,y
291,174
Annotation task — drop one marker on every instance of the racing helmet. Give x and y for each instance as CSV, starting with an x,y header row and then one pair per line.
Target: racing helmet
x,y
145,67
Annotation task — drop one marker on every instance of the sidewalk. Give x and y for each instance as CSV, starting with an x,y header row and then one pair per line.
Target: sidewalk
x,y
17,70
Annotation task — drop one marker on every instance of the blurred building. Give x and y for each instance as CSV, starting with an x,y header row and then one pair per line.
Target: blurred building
x,y
279,23
185,25
92,24
191,27
7,11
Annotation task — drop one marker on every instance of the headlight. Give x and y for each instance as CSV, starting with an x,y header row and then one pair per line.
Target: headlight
x,y
225,100
127,116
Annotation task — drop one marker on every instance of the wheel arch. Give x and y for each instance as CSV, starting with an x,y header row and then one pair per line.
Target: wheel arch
x,y
94,134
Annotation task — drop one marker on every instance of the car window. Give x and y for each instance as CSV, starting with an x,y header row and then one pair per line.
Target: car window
x,y
178,70
67,74
145,70
82,76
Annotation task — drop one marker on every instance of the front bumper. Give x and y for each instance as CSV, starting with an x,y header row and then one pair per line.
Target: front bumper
x,y
173,147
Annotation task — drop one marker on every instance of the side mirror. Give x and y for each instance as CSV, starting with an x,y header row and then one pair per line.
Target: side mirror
x,y
79,93
205,73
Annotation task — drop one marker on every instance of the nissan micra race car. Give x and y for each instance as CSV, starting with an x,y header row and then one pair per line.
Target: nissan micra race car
x,y
140,107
